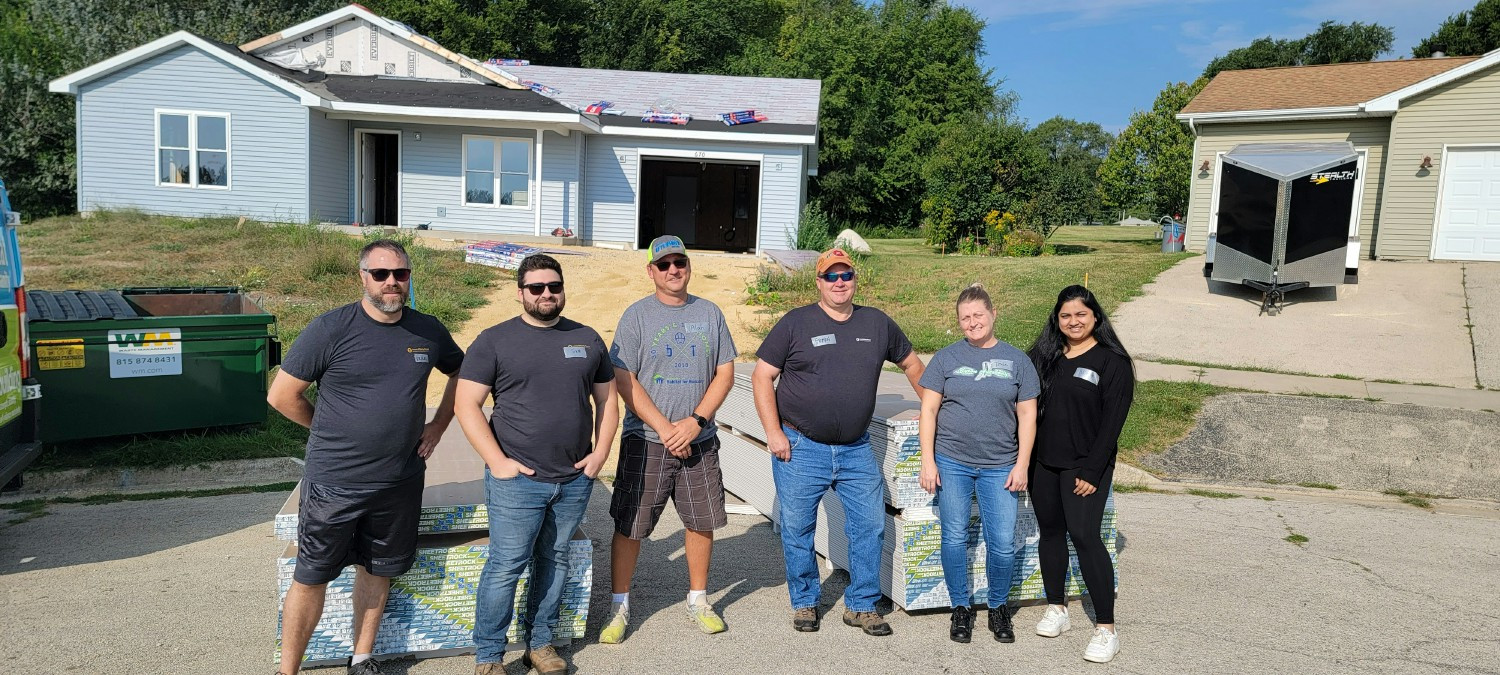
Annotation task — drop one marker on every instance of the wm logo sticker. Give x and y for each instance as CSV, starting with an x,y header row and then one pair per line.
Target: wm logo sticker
x,y
145,340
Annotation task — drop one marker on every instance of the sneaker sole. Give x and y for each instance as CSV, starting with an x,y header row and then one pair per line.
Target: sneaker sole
x,y
806,629
1095,659
1065,628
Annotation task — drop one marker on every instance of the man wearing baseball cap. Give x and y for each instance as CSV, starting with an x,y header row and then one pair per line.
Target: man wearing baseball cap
x,y
674,364
828,356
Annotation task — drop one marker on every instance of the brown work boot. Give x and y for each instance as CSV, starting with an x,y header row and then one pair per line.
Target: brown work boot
x,y
805,620
489,668
870,622
545,660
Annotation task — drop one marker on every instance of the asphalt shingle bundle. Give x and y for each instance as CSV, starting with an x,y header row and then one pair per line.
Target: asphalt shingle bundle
x,y
911,568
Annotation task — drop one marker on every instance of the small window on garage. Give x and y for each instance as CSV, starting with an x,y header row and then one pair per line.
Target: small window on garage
x,y
192,149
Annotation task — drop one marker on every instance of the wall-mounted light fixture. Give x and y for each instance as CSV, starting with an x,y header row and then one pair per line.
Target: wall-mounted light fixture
x,y
1426,162
419,135
1204,167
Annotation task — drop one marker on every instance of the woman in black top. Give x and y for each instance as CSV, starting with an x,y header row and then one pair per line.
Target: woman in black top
x,y
1087,386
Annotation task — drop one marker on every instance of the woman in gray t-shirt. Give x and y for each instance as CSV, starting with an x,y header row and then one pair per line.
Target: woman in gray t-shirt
x,y
977,427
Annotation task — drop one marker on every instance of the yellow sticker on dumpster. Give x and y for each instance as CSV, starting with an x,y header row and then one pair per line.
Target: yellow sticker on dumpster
x,y
59,354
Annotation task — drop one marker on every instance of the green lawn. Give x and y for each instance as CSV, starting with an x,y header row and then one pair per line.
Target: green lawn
x,y
917,287
296,272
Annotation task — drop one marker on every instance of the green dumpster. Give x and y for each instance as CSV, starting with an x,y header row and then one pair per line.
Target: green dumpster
x,y
140,360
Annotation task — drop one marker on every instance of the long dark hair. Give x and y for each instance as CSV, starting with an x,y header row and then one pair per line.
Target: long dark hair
x,y
1047,351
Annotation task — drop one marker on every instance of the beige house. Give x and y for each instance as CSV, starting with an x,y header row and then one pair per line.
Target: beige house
x,y
1427,132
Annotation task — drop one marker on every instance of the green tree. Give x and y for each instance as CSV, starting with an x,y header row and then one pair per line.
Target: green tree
x,y
1068,190
677,36
1330,43
547,32
1467,33
1152,161
981,163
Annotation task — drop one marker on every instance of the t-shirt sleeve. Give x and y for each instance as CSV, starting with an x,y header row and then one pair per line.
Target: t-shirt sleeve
x,y
1118,393
625,352
725,349
897,346
1031,384
451,357
310,353
777,346
605,370
480,364
935,374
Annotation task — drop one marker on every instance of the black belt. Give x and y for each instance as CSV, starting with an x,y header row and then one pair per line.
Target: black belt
x,y
694,447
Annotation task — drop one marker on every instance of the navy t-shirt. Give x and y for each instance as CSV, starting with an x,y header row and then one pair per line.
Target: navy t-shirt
x,y
830,369
372,391
542,380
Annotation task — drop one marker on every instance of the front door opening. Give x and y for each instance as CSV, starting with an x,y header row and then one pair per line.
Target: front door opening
x,y
711,205
379,162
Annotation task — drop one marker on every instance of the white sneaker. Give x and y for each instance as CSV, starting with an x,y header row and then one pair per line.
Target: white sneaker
x,y
1103,646
1054,622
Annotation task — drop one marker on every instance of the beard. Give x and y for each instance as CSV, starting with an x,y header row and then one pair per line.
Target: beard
x,y
534,310
387,307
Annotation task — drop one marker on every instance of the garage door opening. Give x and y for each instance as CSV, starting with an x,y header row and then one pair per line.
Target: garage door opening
x,y
711,205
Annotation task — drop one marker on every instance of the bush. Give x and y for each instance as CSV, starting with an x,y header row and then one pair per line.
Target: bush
x,y
816,231
1023,243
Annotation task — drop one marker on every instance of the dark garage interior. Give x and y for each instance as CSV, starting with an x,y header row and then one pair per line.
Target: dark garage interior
x,y
709,204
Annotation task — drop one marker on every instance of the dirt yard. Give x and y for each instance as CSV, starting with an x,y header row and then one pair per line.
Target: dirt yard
x,y
603,282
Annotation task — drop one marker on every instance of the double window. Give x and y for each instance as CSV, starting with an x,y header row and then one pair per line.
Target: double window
x,y
192,149
497,171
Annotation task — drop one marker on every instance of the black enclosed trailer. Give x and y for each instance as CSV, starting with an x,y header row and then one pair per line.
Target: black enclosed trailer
x,y
1285,217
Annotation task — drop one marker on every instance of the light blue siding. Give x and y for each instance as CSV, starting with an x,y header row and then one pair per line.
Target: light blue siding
x,y
117,139
559,182
330,183
610,174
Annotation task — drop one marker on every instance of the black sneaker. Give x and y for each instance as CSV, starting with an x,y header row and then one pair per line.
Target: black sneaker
x,y
1000,624
366,667
961,627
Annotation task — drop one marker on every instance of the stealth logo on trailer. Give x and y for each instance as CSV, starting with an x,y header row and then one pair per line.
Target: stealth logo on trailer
x,y
1321,178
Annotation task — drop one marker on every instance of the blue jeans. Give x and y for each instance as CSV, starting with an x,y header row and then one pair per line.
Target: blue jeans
x,y
997,519
530,523
801,482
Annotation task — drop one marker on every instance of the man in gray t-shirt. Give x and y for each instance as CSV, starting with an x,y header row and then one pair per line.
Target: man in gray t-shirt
x,y
674,364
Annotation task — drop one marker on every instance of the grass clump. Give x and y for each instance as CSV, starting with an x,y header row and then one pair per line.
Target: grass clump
x,y
1320,486
1297,539
1213,494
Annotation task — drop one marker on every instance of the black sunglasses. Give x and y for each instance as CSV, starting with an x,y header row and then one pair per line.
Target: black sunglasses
x,y
830,277
402,274
679,263
536,289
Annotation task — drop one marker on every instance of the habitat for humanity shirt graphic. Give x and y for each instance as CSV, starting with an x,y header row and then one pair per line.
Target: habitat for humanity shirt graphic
x,y
677,354
673,350
1000,368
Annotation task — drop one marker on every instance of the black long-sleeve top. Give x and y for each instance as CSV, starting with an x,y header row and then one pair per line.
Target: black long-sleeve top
x,y
1083,409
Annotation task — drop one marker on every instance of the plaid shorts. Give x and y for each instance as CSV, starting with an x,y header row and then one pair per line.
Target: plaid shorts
x,y
648,475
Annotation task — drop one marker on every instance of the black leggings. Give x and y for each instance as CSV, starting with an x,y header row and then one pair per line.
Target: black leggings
x,y
1059,512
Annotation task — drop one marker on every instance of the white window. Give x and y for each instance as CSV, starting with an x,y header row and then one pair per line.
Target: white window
x,y
497,171
192,149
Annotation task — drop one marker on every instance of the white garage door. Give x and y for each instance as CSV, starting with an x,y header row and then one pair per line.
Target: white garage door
x,y
1469,225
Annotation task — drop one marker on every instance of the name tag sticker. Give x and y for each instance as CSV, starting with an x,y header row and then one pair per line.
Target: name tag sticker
x,y
419,358
1086,374
821,340
697,327
575,352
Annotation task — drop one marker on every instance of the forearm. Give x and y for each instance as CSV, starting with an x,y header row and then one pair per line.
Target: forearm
x,y
444,415
479,434
636,401
1112,422
765,403
718,390
606,422
1025,437
295,408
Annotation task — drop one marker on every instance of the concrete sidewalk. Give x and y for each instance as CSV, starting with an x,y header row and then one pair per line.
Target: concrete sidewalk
x,y
1277,383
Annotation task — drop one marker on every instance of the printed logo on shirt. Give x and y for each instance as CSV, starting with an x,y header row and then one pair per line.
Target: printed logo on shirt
x,y
697,327
1086,374
861,339
419,358
999,368
822,340
663,379
413,350
576,352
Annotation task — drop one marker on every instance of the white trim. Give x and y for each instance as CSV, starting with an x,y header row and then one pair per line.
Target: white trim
x,y
1213,208
1351,258
70,83
1390,102
448,121
540,184
578,142
670,154
703,154
192,148
533,181
1437,213
760,207
455,113
683,134
1285,114
359,170
635,219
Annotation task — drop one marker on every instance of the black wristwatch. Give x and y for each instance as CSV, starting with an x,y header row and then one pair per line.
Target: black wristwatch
x,y
702,421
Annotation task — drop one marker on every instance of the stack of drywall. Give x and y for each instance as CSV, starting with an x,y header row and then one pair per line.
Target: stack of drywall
x,y
498,254
430,611
911,569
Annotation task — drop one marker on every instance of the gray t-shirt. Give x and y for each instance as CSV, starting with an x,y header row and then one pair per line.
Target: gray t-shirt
x,y
542,380
673,351
372,391
976,424
831,369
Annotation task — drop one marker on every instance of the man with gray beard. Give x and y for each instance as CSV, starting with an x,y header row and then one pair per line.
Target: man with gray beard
x,y
367,448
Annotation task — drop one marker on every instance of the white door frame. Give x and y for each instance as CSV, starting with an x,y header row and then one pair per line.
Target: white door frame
x,y
359,171
1437,213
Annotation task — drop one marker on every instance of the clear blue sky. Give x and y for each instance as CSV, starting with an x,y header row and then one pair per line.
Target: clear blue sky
x,y
1100,60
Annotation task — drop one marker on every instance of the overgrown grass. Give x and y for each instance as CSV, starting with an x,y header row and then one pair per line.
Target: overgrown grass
x,y
1162,414
36,508
917,287
1319,486
1421,500
1213,494
295,272
1127,488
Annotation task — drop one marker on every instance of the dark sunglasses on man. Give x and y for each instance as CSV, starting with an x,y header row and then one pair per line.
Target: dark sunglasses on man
x,y
402,274
536,289
679,263
830,277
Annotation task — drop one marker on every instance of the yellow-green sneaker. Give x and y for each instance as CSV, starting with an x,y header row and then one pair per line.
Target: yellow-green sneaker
x,y
619,618
708,620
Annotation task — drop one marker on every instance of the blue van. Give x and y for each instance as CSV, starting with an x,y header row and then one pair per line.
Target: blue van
x,y
19,392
